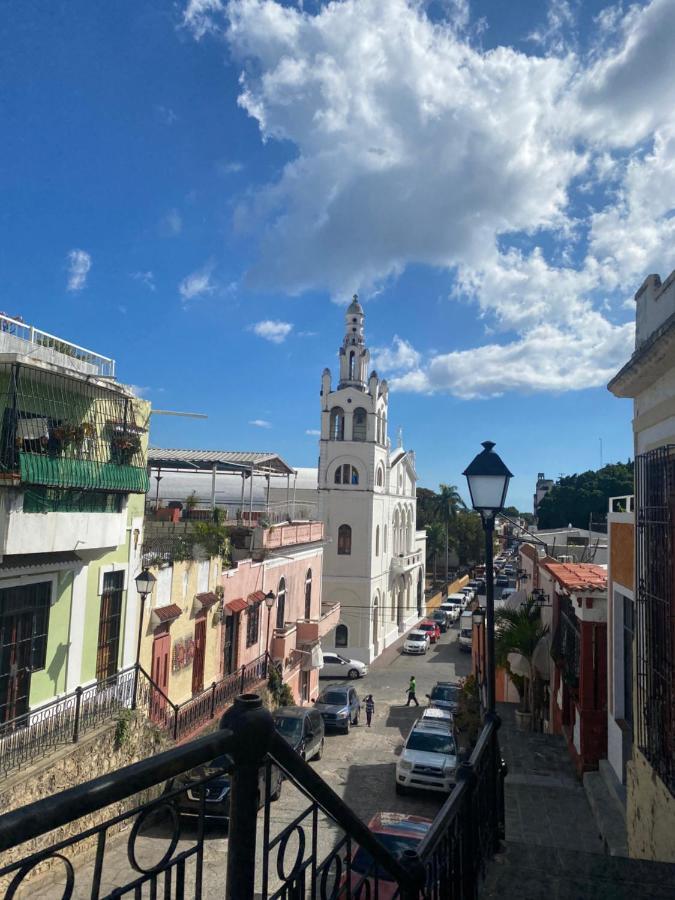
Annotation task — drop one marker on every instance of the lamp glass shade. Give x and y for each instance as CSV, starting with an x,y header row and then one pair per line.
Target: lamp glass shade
x,y
488,480
145,582
270,599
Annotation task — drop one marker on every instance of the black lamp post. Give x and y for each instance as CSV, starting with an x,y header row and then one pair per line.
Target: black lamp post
x,y
478,620
488,480
145,582
270,600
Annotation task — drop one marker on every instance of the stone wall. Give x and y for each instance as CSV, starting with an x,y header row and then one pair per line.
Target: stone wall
x,y
650,813
111,747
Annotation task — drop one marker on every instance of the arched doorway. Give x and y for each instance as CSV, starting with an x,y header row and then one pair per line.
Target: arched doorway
x,y
400,606
376,625
420,594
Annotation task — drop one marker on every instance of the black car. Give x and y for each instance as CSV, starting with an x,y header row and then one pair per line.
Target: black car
x,y
302,728
216,789
441,619
445,695
502,581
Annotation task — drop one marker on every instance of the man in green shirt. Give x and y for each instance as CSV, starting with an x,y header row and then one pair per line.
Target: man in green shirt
x,y
412,691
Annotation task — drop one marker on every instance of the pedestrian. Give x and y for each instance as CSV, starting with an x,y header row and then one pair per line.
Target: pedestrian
x,y
370,708
412,691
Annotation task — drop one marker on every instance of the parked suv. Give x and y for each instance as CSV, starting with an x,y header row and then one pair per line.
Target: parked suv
x,y
301,727
339,706
429,757
444,695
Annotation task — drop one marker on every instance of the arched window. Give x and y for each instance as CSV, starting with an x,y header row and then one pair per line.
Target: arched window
x,y
359,424
308,594
337,424
351,365
385,538
380,476
378,429
346,474
344,540
341,636
338,475
281,603
377,541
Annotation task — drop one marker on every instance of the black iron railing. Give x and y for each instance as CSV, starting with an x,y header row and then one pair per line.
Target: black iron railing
x,y
63,721
295,854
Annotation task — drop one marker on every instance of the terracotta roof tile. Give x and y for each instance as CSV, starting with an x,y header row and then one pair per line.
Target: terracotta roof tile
x,y
238,605
207,599
579,576
256,597
529,551
168,613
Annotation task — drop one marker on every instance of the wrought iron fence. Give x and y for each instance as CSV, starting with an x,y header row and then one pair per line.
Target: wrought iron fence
x,y
324,850
654,642
63,721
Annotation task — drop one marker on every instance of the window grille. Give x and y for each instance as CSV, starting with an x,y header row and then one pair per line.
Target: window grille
x,y
252,624
107,652
341,636
344,540
308,594
24,623
654,619
63,432
566,645
281,603
359,424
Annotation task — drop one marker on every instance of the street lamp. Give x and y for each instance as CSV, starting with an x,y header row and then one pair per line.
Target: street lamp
x,y
488,480
145,582
270,600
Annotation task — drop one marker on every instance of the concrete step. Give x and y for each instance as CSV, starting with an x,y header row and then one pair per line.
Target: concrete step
x,y
614,786
609,816
529,872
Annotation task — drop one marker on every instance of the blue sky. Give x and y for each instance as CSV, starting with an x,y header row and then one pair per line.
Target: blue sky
x,y
496,186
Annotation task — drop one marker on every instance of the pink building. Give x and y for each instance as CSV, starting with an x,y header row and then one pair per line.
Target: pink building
x,y
286,560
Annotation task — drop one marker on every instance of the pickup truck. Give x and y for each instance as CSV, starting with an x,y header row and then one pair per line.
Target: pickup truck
x,y
466,630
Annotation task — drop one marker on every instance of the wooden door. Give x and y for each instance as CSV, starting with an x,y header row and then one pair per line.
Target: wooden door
x,y
198,661
24,619
161,653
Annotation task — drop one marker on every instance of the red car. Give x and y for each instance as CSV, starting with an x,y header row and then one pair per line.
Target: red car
x,y
432,628
398,832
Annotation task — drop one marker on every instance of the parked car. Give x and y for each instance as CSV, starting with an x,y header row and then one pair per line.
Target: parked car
x,y
452,608
398,832
302,727
429,757
216,789
458,598
339,706
431,629
444,695
466,631
506,593
508,570
501,581
337,666
468,593
440,617
416,642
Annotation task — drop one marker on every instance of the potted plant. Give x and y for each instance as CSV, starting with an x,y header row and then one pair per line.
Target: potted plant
x,y
518,631
124,445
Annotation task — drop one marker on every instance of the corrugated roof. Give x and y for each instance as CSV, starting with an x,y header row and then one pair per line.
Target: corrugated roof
x,y
224,460
579,576
60,560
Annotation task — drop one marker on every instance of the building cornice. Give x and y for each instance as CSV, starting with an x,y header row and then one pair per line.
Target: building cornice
x,y
649,362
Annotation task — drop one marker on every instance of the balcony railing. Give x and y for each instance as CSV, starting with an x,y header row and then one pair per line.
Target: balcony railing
x,y
236,513
18,337
311,855
312,629
625,504
403,562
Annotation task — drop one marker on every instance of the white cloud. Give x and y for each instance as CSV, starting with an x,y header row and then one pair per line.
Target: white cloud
x,y
79,264
542,183
314,432
401,355
197,284
171,224
146,278
273,331
231,167
260,423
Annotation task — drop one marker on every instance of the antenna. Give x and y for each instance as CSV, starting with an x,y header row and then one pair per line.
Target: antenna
x,y
171,412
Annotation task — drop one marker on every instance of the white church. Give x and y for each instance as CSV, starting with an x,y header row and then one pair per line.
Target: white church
x,y
374,557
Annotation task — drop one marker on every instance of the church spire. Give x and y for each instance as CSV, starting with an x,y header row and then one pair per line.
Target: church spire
x,y
354,355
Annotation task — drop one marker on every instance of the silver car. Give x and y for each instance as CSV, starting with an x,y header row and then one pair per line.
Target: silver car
x,y
336,666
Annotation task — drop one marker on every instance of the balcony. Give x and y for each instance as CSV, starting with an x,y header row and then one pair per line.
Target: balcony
x,y
284,641
21,339
289,534
310,630
404,562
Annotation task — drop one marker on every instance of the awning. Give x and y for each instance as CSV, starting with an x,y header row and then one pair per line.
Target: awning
x,y
38,563
312,657
256,597
163,614
206,600
236,606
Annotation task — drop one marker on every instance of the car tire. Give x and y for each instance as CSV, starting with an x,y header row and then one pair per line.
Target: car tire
x,y
400,790
319,752
353,673
356,720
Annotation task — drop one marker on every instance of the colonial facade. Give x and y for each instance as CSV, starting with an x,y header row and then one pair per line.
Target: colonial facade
x,y
374,556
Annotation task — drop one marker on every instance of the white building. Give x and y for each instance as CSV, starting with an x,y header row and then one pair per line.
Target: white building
x,y
374,556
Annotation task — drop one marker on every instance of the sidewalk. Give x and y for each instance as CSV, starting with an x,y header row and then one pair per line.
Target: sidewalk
x,y
553,850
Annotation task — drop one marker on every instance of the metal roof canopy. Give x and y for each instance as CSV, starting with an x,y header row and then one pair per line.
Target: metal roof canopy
x,y
207,461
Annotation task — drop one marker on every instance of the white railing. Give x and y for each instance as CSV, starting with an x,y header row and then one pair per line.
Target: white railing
x,y
248,514
15,335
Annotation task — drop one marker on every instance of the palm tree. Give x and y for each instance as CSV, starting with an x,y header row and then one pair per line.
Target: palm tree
x,y
519,631
434,542
447,505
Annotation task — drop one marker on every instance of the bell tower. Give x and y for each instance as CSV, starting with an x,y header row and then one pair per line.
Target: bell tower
x,y
354,355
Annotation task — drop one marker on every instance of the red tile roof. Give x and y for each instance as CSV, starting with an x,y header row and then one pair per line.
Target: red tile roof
x,y
168,613
579,577
238,605
207,599
256,597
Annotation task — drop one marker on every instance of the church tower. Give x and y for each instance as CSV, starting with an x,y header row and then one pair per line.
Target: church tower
x,y
357,477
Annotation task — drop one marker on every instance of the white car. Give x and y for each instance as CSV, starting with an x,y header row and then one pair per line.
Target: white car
x,y
468,593
336,666
429,756
416,642
452,608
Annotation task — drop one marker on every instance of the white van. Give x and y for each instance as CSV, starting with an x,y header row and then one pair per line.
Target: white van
x,y
466,631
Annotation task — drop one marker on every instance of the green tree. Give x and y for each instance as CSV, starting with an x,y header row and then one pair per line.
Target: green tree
x,y
468,537
576,499
448,504
435,543
519,631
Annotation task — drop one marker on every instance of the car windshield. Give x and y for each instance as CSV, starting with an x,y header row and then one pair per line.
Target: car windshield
x,y
334,698
431,742
290,728
395,844
343,658
447,692
416,637
465,632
